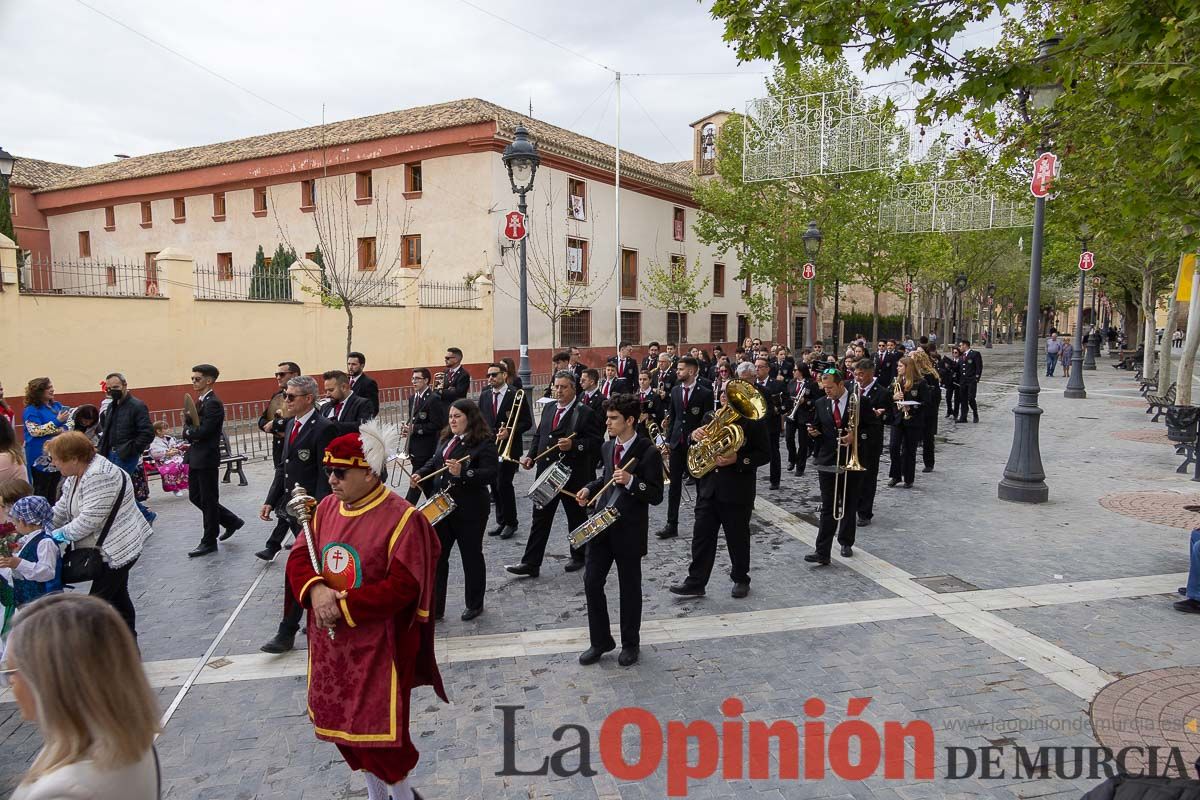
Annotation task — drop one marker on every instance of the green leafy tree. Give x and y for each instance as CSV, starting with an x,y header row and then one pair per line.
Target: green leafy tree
x,y
260,281
675,287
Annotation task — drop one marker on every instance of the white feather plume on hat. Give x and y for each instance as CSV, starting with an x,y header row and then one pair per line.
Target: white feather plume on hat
x,y
379,440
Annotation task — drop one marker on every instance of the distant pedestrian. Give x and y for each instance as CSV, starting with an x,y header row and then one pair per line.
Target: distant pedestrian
x,y
43,418
126,433
1068,350
1177,339
1054,348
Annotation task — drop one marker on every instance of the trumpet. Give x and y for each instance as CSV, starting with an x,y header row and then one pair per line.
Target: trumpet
x,y
898,396
847,454
511,424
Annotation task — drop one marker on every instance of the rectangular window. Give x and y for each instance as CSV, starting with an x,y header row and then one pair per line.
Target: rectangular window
x,y
366,254
747,286
676,327
151,274
224,266
260,201
678,264
577,198
629,275
147,214
218,206
308,193
180,207
363,188
412,178
85,244
743,327
410,251
110,218
678,219
575,329
718,328
110,275
577,260
631,326
718,282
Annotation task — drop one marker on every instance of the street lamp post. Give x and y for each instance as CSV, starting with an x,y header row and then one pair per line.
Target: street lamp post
x,y
1024,478
1075,389
1092,346
960,286
908,287
521,159
812,247
991,301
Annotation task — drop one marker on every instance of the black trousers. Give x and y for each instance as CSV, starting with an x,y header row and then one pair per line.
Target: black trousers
x,y
869,458
951,400
543,521
505,495
773,443
848,526
797,438
205,493
927,433
967,398
113,587
679,473
903,451
283,524
468,533
711,517
600,558
45,484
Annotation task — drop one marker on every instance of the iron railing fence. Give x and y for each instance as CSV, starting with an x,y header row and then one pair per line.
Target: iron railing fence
x,y
89,278
224,282
450,295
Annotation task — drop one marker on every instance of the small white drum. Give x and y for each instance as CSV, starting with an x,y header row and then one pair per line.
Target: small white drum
x,y
437,507
593,527
548,484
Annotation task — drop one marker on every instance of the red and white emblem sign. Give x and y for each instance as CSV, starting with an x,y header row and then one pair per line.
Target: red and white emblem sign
x,y
908,287
1087,260
514,226
1045,168
809,271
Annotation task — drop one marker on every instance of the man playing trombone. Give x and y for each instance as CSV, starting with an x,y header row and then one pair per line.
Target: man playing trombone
x,y
426,418
507,414
840,487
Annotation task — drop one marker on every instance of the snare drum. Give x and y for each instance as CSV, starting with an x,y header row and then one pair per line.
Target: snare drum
x,y
437,507
548,484
593,527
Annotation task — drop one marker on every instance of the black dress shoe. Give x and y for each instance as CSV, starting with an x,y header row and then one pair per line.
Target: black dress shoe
x,y
893,481
927,469
863,521
471,613
523,569
687,590
908,484
202,549
496,531
1182,590
573,566
975,418
508,532
740,590
592,654
668,532
847,551
813,558
628,656
791,467
268,553
1188,606
231,530
774,486
281,642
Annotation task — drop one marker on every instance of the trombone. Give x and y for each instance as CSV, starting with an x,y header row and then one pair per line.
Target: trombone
x,y
511,425
847,454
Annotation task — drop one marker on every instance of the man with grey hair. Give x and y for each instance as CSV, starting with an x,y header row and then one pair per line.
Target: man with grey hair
x,y
304,440
126,431
746,372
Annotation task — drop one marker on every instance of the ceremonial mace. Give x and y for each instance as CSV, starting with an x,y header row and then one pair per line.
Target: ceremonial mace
x,y
300,507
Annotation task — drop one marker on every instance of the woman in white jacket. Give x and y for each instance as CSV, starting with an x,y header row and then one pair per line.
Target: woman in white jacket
x,y
91,487
74,670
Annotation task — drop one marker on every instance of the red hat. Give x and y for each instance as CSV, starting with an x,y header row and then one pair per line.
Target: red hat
x,y
346,451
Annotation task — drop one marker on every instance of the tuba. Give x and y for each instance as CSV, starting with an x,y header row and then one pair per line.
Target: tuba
x,y
722,435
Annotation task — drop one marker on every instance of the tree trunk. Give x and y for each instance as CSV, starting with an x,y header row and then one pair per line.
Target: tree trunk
x,y
1187,359
349,326
1164,351
1148,327
875,316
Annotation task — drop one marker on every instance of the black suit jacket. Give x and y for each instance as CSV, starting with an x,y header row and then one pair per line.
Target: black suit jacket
x,y
627,536
595,402
496,421
649,363
652,406
773,394
302,461
870,424
922,393
804,393
585,447
277,424
205,438
470,489
737,482
458,386
427,419
886,368
355,411
684,420
365,387
619,386
972,366
825,444
627,368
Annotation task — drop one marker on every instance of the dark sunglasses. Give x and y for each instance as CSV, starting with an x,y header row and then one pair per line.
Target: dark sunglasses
x,y
282,374
493,374
336,472
291,396
450,358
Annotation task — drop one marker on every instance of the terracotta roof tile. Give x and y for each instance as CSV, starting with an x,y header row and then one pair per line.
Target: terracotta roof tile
x,y
33,173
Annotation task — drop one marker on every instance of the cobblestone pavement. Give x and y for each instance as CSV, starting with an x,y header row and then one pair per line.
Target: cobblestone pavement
x,y
1070,597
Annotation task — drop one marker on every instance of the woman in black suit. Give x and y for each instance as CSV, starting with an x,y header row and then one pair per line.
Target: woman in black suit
x,y
467,483
802,392
908,430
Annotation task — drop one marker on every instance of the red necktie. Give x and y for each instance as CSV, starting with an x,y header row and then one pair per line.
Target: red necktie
x,y
495,407
686,393
557,418
295,433
337,410
617,451
607,384
837,414
449,447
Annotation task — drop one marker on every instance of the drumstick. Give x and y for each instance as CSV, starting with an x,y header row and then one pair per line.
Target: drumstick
x,y
606,486
452,462
553,447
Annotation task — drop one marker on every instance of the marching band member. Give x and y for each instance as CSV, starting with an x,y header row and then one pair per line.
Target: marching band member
x,y
690,401
426,418
968,381
651,359
456,381
827,430
468,451
589,390
772,391
801,392
346,410
496,404
651,404
627,366
876,408
908,422
560,362
613,384
632,493
932,409
361,383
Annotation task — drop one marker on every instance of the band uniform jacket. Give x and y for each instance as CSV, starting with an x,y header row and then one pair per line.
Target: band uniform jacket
x,y
801,392
302,461
616,387
594,401
685,419
649,363
427,417
920,392
737,483
826,444
652,407
470,489
627,536
354,412
627,368
458,386
585,447
205,438
496,422
870,424
886,367
365,387
948,369
277,425
971,366
772,391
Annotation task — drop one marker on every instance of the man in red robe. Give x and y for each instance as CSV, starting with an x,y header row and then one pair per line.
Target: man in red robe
x,y
378,557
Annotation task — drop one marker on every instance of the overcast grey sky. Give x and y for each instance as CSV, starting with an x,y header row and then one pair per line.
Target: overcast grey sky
x,y
80,87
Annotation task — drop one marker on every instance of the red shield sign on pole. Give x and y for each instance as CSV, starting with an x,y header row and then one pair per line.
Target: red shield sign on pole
x,y
1044,170
514,226
1087,260
809,271
908,288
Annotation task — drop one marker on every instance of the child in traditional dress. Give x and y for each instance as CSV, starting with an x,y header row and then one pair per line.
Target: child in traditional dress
x,y
167,452
34,567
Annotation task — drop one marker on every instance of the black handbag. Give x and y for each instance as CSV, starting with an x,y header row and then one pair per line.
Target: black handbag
x,y
82,564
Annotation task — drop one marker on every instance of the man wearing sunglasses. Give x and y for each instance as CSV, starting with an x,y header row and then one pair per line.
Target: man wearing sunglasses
x,y
305,438
275,424
456,382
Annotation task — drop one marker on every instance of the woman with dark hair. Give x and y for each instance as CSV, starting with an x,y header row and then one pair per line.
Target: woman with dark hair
x,y
802,392
86,420
43,417
514,380
468,452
